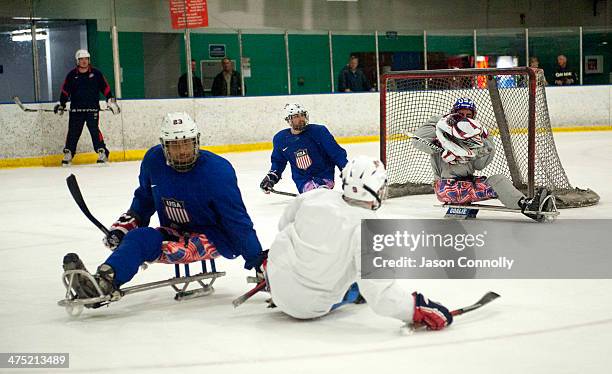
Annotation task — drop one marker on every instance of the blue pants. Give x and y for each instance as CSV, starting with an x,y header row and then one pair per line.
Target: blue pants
x,y
139,245
349,297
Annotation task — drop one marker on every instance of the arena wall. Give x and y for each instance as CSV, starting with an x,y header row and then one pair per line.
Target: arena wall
x,y
244,124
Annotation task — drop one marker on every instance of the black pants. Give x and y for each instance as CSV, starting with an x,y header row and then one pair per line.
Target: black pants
x,y
75,128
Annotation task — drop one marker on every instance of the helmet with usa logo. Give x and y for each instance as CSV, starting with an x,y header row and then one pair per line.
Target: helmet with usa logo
x,y
464,103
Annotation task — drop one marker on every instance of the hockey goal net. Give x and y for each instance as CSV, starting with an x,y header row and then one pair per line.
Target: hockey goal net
x,y
511,103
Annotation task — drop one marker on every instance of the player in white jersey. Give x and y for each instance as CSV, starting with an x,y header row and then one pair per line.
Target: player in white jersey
x,y
316,256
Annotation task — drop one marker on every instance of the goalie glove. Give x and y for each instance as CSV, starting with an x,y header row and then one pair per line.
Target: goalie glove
x,y
426,312
111,104
269,181
128,221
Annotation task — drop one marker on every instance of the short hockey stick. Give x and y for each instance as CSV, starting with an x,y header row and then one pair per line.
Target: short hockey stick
x,y
427,143
487,298
283,193
240,300
17,101
75,191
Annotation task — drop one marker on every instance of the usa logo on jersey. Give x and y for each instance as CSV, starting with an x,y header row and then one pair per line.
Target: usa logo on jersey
x,y
302,160
175,210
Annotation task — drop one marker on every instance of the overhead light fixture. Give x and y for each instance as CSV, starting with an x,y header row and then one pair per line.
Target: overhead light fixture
x,y
26,35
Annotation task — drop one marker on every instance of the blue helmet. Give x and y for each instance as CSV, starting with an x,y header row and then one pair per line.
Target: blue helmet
x,y
464,103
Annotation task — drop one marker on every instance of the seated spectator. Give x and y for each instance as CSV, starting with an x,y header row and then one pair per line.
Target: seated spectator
x,y
352,79
534,62
564,76
198,90
227,82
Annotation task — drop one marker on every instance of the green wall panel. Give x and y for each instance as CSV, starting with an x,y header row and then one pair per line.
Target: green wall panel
x,y
131,54
268,64
309,56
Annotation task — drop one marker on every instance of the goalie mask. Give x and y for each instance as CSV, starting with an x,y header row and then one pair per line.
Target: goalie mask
x,y
464,103
296,116
180,140
364,181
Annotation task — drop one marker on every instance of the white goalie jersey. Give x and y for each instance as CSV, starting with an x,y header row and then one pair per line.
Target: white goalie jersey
x,y
316,257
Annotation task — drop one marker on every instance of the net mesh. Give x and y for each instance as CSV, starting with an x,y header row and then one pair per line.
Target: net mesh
x,y
410,99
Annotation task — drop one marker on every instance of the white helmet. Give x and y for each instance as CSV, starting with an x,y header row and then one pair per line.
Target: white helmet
x,y
365,179
178,128
291,110
81,53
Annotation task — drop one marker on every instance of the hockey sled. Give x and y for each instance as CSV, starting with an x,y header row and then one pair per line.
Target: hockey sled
x,y
456,209
74,306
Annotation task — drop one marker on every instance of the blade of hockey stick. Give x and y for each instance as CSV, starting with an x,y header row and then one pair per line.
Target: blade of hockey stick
x,y
240,300
17,101
487,298
283,193
75,191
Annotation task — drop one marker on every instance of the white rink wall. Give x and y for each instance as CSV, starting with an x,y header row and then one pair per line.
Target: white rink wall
x,y
246,120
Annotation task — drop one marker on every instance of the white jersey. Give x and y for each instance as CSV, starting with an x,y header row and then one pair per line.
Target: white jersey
x,y
316,256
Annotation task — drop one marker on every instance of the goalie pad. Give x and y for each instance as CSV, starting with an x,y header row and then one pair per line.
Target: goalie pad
x,y
452,191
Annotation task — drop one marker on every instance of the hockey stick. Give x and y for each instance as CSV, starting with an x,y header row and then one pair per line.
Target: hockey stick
x,y
283,193
487,298
17,101
75,191
421,140
240,300
411,327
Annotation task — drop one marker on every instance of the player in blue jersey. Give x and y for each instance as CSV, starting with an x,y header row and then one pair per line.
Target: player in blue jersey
x,y
310,149
199,206
82,87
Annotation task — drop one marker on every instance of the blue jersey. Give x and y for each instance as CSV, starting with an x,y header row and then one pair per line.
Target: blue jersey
x,y
313,154
205,199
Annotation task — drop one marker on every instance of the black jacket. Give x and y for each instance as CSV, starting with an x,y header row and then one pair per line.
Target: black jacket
x,y
83,89
183,91
219,88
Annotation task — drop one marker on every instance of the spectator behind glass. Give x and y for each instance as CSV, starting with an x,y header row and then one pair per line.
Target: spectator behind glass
x,y
534,62
564,76
198,90
352,79
227,82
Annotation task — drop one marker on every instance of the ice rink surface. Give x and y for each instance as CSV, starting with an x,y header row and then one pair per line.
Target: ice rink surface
x,y
537,326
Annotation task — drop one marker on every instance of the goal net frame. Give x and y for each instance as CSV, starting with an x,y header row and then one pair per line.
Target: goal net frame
x,y
527,83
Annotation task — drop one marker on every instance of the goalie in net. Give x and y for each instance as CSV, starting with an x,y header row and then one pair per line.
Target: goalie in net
x,y
513,117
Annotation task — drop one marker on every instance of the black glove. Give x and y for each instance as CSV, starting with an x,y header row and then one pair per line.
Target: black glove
x,y
258,262
125,223
269,181
59,108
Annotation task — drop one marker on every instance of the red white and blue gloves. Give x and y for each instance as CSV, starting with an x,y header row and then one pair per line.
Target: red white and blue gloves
x,y
462,138
429,313
125,223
